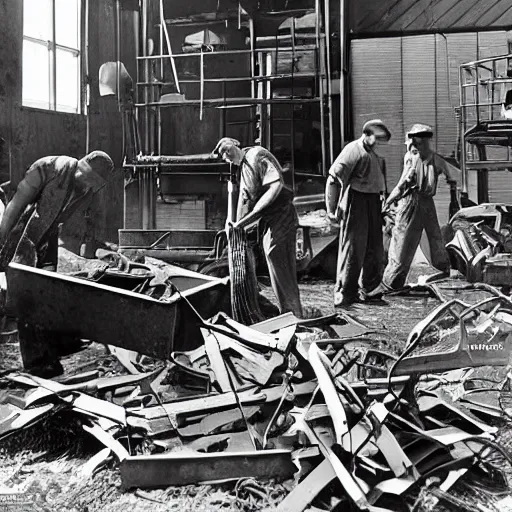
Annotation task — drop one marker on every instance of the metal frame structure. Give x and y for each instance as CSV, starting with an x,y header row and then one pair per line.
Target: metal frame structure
x,y
264,76
485,132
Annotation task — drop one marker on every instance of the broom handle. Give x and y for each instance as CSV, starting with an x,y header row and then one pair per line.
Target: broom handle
x,y
230,217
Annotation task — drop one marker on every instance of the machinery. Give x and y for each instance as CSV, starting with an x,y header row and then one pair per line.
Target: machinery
x,y
257,72
485,121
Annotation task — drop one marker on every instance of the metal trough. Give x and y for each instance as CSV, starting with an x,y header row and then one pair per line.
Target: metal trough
x,y
108,314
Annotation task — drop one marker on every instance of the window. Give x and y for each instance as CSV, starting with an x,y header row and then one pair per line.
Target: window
x,y
51,55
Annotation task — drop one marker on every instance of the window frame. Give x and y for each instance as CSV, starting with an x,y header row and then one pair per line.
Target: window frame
x,y
52,48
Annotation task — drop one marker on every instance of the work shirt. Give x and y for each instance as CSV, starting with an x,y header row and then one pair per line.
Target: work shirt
x,y
45,170
259,169
360,167
425,173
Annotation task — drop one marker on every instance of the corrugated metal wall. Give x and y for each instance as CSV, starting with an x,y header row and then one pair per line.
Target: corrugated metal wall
x,y
415,79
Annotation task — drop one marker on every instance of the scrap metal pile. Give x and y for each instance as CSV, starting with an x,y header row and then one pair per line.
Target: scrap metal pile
x,y
317,403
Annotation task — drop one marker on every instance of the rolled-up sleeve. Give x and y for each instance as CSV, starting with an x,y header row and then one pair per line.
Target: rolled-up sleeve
x,y
344,165
31,185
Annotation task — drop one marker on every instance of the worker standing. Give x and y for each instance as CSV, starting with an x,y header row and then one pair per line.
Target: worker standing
x,y
416,212
263,195
53,188
361,173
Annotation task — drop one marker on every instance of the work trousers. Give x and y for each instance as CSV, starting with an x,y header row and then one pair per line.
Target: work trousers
x,y
361,251
279,246
415,214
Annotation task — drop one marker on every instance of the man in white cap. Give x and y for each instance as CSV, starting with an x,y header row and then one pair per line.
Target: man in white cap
x,y
264,195
414,194
53,188
361,173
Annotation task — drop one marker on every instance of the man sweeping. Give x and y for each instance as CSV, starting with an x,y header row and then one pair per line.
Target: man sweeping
x,y
53,188
263,195
416,212
361,173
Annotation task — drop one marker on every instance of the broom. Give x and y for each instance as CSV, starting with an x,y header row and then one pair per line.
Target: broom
x,y
242,270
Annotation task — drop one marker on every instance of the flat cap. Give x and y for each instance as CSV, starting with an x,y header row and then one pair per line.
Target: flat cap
x,y
420,130
377,123
224,144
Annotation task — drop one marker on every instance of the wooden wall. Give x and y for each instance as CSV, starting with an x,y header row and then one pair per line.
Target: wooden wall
x,y
32,133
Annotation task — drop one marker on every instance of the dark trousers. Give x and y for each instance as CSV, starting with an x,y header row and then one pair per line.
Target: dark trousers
x,y
361,251
415,214
279,246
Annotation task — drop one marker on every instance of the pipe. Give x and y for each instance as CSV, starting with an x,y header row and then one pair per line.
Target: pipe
x,y
87,82
343,42
327,11
321,86
118,52
146,72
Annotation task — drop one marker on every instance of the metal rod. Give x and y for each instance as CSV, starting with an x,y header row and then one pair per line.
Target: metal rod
x,y
236,79
146,71
233,102
169,47
201,86
309,47
292,119
327,11
118,53
342,72
87,81
253,63
321,87
462,124
54,60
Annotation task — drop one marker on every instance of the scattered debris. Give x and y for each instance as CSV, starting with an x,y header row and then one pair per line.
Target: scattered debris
x,y
341,419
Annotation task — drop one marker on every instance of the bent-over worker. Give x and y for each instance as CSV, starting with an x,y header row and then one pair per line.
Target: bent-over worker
x,y
416,210
263,195
362,176
53,188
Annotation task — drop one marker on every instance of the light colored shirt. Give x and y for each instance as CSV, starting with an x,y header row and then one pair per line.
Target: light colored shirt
x,y
360,167
425,173
258,170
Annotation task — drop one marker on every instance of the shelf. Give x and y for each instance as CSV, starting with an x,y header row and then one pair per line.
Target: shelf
x,y
260,78
302,47
489,165
231,102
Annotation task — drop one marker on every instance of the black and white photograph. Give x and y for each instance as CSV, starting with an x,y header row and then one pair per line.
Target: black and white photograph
x,y
255,255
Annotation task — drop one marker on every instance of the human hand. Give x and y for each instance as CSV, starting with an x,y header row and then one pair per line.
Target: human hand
x,y
332,218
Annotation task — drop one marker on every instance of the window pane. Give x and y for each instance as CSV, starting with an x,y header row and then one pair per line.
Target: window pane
x,y
67,82
36,75
37,19
67,30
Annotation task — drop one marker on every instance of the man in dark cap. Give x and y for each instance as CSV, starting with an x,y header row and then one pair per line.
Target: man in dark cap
x,y
264,195
416,212
53,188
361,174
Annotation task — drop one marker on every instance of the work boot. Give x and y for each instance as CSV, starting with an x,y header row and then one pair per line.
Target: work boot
x,y
377,293
341,300
372,297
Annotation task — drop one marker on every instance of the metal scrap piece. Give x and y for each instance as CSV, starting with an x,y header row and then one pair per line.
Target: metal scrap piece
x,y
182,469
304,493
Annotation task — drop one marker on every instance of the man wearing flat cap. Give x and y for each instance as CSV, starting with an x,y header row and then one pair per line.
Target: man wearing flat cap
x,y
54,187
361,174
416,212
264,195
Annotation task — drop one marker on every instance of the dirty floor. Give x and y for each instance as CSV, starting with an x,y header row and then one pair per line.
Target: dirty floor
x,y
55,475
